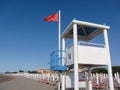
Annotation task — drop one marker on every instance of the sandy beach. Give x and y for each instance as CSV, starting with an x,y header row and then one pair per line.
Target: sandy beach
x,y
21,83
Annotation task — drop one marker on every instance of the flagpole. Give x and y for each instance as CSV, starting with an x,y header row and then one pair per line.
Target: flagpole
x,y
59,34
59,44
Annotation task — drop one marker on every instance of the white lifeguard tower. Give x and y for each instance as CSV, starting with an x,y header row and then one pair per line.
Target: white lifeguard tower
x,y
85,54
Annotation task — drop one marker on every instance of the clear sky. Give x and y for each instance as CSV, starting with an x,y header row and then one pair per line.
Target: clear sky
x,y
26,40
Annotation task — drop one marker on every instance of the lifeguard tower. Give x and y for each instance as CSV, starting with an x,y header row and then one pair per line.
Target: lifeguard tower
x,y
86,54
82,54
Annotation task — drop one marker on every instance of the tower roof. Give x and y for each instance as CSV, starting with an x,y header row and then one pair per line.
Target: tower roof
x,y
85,30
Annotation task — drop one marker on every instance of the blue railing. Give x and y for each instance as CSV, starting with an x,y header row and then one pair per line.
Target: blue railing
x,y
56,61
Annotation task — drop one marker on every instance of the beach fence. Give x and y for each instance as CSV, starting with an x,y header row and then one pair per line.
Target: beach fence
x,y
99,80
44,78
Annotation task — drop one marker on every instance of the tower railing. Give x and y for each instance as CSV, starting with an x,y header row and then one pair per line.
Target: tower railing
x,y
56,61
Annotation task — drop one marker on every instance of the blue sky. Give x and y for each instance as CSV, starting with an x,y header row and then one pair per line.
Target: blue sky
x,y
26,41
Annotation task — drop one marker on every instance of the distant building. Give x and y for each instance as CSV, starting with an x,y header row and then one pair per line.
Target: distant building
x,y
43,71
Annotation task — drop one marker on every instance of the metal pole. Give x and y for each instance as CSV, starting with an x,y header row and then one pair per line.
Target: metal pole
x,y
59,43
63,63
59,33
89,79
76,81
63,80
109,60
63,51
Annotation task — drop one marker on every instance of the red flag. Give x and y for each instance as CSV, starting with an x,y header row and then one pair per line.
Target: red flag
x,y
53,17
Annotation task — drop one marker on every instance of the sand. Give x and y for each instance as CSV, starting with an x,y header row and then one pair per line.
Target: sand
x,y
21,83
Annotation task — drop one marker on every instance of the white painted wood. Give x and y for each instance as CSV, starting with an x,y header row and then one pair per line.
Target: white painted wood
x,y
87,55
109,60
75,50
